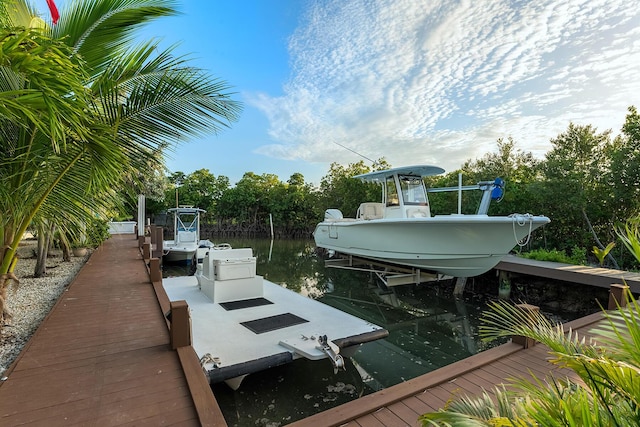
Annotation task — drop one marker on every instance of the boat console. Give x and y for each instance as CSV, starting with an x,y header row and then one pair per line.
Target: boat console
x,y
229,275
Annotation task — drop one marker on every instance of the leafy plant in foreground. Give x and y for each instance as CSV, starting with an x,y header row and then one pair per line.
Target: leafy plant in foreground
x,y
605,390
601,253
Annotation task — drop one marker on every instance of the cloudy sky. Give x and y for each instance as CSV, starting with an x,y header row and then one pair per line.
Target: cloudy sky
x,y
413,81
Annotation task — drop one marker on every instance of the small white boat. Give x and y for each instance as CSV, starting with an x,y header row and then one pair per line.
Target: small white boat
x,y
401,229
243,324
186,244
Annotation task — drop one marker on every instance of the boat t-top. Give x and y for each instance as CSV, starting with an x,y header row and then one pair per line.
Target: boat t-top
x,y
401,229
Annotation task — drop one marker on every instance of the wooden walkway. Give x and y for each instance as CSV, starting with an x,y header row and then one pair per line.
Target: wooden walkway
x,y
586,275
102,356
402,404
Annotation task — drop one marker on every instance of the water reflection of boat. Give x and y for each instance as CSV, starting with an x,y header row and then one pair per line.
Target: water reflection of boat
x,y
242,324
423,336
401,229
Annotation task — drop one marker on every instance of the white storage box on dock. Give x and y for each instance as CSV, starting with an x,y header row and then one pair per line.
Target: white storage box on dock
x,y
235,268
234,290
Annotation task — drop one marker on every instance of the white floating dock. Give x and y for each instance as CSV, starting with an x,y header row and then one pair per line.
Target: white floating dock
x,y
264,325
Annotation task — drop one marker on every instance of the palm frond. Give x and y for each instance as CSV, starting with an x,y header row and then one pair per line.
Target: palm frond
x,y
73,130
99,30
53,97
606,390
630,236
620,335
505,319
501,409
154,100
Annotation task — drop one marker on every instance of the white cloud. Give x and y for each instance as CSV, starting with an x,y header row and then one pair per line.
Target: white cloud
x,y
440,81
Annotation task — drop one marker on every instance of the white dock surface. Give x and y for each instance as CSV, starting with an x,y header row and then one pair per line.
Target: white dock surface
x,y
219,332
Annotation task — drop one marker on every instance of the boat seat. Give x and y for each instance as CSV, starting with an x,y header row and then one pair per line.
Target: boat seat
x,y
418,212
186,237
229,254
370,210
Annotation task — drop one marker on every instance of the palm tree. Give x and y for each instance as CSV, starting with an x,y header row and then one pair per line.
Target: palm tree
x,y
43,101
66,154
607,393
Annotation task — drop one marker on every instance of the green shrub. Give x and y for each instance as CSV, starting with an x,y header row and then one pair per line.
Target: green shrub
x,y
552,255
578,255
97,232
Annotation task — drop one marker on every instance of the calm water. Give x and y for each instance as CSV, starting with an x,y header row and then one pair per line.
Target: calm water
x,y
428,328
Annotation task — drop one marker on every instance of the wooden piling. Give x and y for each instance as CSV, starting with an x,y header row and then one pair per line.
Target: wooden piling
x,y
526,342
617,296
504,285
146,250
461,282
157,233
155,272
180,332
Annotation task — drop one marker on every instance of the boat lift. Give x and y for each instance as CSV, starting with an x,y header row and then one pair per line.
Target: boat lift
x,y
389,274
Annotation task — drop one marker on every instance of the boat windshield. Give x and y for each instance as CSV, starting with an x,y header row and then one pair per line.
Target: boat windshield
x,y
413,192
187,222
392,192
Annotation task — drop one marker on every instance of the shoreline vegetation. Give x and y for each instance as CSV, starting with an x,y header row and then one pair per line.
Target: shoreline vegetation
x,y
33,298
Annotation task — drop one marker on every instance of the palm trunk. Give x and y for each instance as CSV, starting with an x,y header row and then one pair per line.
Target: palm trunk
x,y
44,241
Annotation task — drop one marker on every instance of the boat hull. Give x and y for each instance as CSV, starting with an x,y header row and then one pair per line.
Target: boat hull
x,y
184,253
179,255
455,245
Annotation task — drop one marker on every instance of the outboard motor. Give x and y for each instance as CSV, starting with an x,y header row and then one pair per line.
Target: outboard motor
x,y
332,214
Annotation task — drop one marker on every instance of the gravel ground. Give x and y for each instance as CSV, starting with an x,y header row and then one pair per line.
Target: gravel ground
x,y
33,298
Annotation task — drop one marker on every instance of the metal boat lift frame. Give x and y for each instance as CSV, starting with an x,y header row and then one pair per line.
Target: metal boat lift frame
x,y
390,274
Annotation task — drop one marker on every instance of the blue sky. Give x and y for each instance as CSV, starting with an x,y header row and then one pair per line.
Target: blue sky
x,y
433,81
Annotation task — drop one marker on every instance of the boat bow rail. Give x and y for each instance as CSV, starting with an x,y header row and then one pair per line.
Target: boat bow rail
x,y
491,190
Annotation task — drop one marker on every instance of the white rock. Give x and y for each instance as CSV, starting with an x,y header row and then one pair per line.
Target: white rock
x,y
32,299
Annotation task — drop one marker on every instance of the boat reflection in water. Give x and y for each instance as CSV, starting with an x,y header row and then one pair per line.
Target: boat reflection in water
x,y
428,328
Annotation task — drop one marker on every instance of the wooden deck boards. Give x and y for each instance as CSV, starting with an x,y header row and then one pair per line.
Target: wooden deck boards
x,y
581,274
102,356
401,405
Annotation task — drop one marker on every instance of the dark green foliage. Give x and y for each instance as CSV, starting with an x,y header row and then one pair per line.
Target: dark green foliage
x,y
97,232
578,255
339,190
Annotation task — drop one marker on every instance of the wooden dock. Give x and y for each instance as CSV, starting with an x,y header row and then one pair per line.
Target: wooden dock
x,y
103,356
402,404
582,274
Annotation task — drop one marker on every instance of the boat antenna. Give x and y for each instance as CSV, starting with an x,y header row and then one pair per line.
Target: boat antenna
x,y
354,152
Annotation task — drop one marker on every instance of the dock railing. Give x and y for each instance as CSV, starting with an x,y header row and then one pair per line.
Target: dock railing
x,y
179,324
